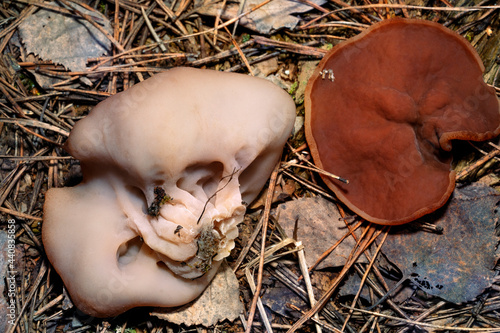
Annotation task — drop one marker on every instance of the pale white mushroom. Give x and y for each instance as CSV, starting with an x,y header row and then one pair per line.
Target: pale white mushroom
x,y
168,166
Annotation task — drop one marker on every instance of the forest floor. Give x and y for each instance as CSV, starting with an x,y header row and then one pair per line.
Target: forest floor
x,y
44,91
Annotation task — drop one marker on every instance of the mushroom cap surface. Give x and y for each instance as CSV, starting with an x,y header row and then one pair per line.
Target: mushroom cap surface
x,y
209,140
382,110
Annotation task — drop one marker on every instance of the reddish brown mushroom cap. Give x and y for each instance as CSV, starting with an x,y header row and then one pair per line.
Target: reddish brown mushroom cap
x,y
382,109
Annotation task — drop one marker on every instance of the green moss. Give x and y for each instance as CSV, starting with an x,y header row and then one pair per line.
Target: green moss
x,y
293,88
245,38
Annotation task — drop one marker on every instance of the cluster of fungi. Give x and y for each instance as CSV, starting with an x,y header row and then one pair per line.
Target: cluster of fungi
x,y
382,110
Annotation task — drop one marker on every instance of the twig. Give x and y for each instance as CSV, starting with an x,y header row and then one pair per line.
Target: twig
x,y
229,22
365,276
167,10
49,305
425,314
35,123
316,320
17,175
84,92
374,6
218,20
229,178
314,167
352,9
20,215
27,300
477,164
290,47
307,281
18,109
221,55
414,322
163,48
369,236
248,245
334,246
310,185
260,306
242,55
12,27
265,219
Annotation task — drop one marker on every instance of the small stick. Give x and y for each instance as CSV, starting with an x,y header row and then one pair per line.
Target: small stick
x,y
37,135
19,214
317,321
307,280
396,6
334,246
167,10
35,123
265,218
13,102
415,322
221,55
315,168
425,314
318,170
365,276
242,55
310,185
12,27
477,164
366,240
218,20
27,300
291,47
162,46
260,306
85,92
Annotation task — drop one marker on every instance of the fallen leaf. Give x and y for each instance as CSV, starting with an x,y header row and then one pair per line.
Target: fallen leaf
x,y
274,15
279,298
220,301
65,39
319,226
456,265
267,67
306,70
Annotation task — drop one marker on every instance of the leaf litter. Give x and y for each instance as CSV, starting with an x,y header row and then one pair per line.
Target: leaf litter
x,y
455,262
317,223
32,160
219,302
458,263
65,39
276,15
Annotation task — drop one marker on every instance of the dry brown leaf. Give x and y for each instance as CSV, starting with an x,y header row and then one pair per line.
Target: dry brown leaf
x,y
319,227
279,298
456,265
68,40
273,16
305,73
220,301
